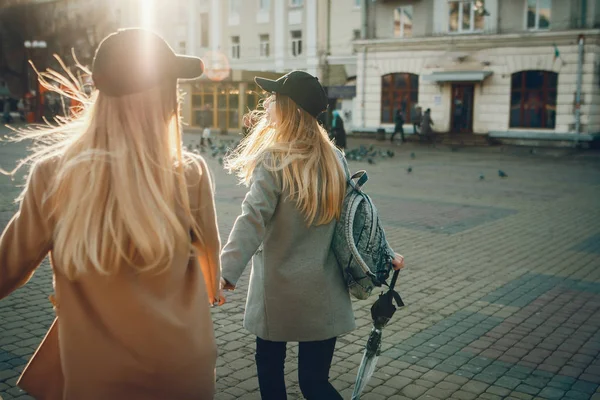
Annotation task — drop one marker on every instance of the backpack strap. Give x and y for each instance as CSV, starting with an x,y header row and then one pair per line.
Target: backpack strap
x,y
361,178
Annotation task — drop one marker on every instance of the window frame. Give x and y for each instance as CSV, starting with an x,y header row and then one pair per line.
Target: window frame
x,y
536,26
400,11
264,9
235,47
393,93
545,91
472,16
234,7
264,45
296,43
296,3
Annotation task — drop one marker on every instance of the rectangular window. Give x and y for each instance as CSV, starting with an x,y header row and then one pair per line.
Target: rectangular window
x,y
296,43
264,5
296,3
465,16
234,12
264,46
357,3
538,14
182,48
204,29
234,7
403,21
356,34
235,47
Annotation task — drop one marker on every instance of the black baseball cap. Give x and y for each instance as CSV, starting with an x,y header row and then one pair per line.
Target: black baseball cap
x,y
133,60
301,87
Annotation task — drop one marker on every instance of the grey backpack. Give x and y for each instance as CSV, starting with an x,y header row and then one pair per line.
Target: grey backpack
x,y
359,242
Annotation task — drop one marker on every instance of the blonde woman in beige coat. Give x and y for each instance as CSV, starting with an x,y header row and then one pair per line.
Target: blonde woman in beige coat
x,y
128,219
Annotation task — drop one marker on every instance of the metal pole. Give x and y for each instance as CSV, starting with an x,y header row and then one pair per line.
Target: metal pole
x,y
578,92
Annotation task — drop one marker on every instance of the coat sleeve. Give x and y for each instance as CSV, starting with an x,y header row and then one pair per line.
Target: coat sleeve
x,y
250,227
210,246
27,238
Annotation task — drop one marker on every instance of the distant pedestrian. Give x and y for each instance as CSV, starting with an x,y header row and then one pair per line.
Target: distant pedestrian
x,y
21,109
398,126
416,118
205,136
6,117
426,125
337,130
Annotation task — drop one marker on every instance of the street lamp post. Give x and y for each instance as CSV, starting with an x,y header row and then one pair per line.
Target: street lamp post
x,y
31,45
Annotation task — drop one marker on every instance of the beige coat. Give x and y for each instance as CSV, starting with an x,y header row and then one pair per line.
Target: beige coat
x,y
129,336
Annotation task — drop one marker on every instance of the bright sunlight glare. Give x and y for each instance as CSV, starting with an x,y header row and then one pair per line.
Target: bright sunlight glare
x,y
147,13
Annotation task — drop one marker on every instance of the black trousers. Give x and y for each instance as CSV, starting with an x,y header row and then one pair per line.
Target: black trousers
x,y
401,132
314,362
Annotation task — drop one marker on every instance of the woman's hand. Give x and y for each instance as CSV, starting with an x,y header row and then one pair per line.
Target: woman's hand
x,y
222,299
226,285
398,262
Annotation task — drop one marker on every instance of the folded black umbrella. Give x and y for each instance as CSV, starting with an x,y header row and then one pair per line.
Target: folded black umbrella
x,y
382,311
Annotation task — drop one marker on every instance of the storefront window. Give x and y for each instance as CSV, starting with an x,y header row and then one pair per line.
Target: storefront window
x,y
217,105
203,105
399,92
533,99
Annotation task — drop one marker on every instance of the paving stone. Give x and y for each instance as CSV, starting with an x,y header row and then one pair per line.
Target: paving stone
x,y
527,389
411,373
485,378
537,382
498,390
384,390
520,395
475,387
585,387
508,382
576,395
434,376
398,382
552,393
413,391
462,395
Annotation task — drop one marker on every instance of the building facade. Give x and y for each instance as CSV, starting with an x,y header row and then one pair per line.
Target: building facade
x,y
512,69
240,39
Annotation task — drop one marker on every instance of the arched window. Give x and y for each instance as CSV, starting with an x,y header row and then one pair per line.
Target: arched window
x,y
399,91
533,99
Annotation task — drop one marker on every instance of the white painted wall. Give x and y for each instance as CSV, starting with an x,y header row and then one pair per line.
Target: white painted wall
x,y
492,99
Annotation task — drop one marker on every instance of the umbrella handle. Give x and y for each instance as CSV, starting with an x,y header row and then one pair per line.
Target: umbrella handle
x,y
394,279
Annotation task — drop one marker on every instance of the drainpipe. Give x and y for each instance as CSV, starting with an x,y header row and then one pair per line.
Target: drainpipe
x,y
364,19
583,15
363,35
578,92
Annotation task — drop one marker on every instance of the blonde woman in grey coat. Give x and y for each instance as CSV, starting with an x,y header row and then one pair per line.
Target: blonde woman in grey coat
x,y
297,185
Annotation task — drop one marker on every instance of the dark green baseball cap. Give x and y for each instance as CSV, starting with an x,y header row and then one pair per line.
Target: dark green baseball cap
x,y
301,87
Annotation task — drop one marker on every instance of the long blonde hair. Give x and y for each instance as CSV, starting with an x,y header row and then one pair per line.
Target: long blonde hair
x,y
119,179
300,148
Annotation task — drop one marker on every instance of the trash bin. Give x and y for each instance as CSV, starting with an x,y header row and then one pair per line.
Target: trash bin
x,y
380,135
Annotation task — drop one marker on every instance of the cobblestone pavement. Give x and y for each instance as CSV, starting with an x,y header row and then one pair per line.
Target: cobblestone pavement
x,y
502,283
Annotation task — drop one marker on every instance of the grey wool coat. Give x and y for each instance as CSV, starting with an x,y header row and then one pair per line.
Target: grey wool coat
x,y
297,292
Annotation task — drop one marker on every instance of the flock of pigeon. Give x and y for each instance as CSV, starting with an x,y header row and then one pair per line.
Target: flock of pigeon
x,y
369,154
